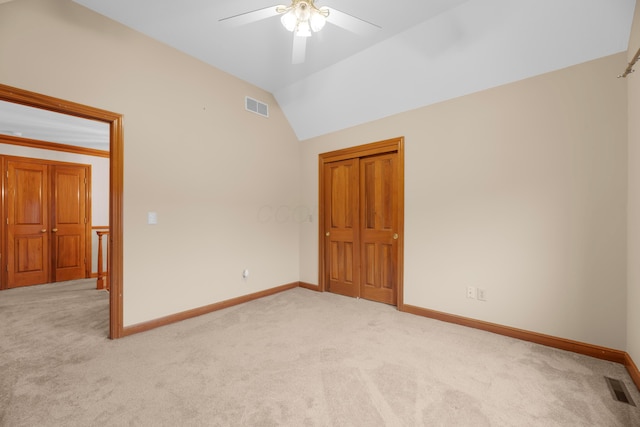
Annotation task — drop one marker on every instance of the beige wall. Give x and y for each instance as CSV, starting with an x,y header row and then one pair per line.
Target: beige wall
x,y
211,170
633,292
520,190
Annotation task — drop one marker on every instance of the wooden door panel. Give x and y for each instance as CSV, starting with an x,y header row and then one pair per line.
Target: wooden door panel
x,y
342,206
28,264
69,222
27,222
341,224
379,202
341,269
68,187
28,196
379,265
347,262
68,251
388,263
368,263
26,250
378,190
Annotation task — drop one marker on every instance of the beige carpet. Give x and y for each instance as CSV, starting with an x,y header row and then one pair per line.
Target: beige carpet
x,y
298,358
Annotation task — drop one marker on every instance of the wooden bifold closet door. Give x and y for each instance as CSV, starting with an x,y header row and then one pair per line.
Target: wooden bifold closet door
x,y
46,222
362,226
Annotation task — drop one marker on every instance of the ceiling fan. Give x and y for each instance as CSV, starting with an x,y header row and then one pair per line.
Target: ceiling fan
x,y
302,18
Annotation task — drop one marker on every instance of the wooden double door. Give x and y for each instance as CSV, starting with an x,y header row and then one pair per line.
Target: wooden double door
x,y
362,222
47,221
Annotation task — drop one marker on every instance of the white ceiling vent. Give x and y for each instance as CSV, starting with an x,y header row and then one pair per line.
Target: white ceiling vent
x,y
256,106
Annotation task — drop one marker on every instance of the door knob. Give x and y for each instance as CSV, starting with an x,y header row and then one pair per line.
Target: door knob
x,y
44,230
327,234
395,236
55,230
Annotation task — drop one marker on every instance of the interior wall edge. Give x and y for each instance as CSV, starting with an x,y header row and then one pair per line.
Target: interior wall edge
x,y
632,368
310,286
633,199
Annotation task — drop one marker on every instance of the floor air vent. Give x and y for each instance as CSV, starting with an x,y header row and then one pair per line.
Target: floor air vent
x,y
256,106
619,391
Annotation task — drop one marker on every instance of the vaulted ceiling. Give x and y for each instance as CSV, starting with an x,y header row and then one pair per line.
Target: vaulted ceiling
x,y
424,51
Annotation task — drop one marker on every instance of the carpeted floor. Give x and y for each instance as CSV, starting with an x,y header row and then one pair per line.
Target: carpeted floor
x,y
298,358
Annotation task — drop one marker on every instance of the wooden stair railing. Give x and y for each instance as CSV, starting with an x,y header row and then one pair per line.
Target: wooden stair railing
x,y
103,274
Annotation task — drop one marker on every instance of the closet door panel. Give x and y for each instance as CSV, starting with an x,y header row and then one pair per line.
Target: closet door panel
x,y
378,235
341,225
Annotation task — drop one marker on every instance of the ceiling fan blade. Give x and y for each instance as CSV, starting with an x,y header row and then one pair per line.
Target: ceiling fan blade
x,y
299,49
351,23
249,17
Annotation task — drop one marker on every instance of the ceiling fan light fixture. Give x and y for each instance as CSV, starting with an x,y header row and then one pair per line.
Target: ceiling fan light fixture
x,y
303,17
303,29
289,20
317,20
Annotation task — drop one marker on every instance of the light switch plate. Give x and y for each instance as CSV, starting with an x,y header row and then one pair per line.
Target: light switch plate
x,y
152,217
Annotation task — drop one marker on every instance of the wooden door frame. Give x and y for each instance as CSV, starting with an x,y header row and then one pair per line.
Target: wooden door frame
x,y
116,181
394,145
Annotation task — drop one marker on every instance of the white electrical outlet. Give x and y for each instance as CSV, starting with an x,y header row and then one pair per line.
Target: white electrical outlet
x,y
245,273
472,292
482,294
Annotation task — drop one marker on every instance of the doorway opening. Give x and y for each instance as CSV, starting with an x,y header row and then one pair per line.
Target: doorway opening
x,y
361,221
116,156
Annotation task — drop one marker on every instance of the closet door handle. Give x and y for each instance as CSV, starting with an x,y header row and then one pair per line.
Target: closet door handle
x,y
55,230
395,236
44,230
